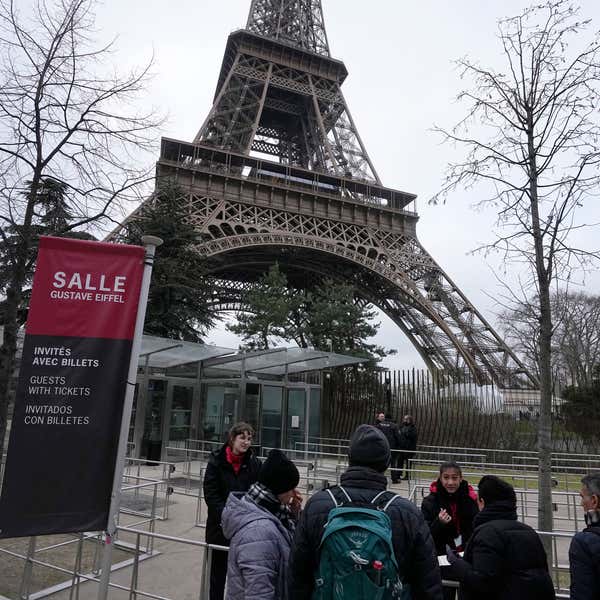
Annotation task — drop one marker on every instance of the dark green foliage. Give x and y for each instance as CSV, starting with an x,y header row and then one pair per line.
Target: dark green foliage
x,y
54,216
581,409
178,297
328,317
336,319
269,305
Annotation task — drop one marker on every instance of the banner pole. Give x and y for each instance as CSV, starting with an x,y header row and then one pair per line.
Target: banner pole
x,y
150,244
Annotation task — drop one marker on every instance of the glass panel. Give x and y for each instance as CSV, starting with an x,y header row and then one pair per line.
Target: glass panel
x,y
220,409
272,399
131,434
314,417
181,415
153,423
295,419
252,409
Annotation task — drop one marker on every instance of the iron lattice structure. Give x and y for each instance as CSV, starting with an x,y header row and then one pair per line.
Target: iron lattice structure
x,y
278,172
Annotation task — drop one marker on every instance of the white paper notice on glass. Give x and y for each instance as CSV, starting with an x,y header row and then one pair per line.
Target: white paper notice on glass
x,y
295,421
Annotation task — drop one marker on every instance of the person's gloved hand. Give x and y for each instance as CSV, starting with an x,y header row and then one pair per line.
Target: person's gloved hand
x,y
451,555
458,564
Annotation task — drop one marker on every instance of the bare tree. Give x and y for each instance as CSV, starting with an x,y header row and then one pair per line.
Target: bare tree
x,y
531,134
575,338
66,115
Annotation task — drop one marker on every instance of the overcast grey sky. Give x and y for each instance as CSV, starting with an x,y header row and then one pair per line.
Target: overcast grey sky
x,y
402,81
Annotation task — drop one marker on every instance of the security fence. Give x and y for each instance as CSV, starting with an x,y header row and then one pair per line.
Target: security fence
x,y
456,411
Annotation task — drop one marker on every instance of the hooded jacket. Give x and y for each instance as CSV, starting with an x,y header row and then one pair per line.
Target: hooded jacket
x,y
259,551
219,480
461,506
411,539
504,559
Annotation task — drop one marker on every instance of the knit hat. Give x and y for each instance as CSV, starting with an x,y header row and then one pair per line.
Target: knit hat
x,y
492,489
369,448
278,473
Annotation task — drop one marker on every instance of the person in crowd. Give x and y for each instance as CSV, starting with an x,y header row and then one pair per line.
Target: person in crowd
x,y
387,426
449,510
504,559
232,468
364,481
584,552
407,443
260,526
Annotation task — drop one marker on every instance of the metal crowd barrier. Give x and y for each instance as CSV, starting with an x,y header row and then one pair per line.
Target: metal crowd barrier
x,y
32,556
205,553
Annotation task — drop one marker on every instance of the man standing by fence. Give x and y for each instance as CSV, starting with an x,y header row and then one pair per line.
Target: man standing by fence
x,y
407,443
584,552
386,425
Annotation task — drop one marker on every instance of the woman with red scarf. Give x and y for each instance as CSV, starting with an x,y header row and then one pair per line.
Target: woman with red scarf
x,y
449,510
232,468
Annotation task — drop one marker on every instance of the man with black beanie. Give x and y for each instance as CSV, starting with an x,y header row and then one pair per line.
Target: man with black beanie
x,y
504,559
368,457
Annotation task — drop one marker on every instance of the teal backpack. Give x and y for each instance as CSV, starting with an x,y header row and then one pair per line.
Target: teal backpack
x,y
357,560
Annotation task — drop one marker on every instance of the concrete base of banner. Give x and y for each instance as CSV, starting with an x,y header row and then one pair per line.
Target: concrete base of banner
x,y
89,576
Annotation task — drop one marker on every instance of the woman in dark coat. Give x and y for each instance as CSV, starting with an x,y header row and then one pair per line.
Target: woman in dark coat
x,y
504,559
232,468
449,511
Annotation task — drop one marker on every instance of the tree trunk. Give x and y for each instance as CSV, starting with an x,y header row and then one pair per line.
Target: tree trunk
x,y
544,434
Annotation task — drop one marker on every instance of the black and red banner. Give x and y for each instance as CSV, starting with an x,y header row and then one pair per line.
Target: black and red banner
x,y
67,416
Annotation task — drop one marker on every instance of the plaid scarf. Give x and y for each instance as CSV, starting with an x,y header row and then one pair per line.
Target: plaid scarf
x,y
264,497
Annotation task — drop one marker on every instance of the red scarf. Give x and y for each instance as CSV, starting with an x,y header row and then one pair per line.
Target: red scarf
x,y
235,460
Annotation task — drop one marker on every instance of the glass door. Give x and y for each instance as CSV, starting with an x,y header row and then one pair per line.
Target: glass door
x,y
181,398
219,412
270,426
295,420
152,437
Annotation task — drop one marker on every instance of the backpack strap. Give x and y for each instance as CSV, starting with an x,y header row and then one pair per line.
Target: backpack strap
x,y
335,500
383,500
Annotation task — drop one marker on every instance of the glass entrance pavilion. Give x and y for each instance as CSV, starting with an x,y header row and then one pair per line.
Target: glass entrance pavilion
x,y
188,392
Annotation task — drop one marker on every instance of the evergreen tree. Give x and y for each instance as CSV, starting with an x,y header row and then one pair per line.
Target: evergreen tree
x,y
328,317
52,216
179,291
268,306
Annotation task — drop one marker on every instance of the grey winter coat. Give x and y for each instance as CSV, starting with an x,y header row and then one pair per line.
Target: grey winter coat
x,y
259,551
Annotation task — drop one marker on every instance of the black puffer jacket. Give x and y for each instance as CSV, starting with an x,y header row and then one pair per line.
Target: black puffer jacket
x,y
219,480
413,545
407,437
504,559
390,430
461,506
584,561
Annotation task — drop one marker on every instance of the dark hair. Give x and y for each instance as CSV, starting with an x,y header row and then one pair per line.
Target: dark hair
x,y
493,489
592,482
409,418
450,464
239,428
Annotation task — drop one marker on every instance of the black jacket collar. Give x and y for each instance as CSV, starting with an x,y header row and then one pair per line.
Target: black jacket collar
x,y
363,477
498,511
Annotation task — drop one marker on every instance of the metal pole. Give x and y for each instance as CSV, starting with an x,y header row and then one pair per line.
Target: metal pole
x,y
150,244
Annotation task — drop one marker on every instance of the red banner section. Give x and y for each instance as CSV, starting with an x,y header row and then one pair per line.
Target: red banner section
x,y
85,289
72,380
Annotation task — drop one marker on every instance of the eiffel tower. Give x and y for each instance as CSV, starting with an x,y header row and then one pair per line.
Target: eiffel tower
x,y
278,172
